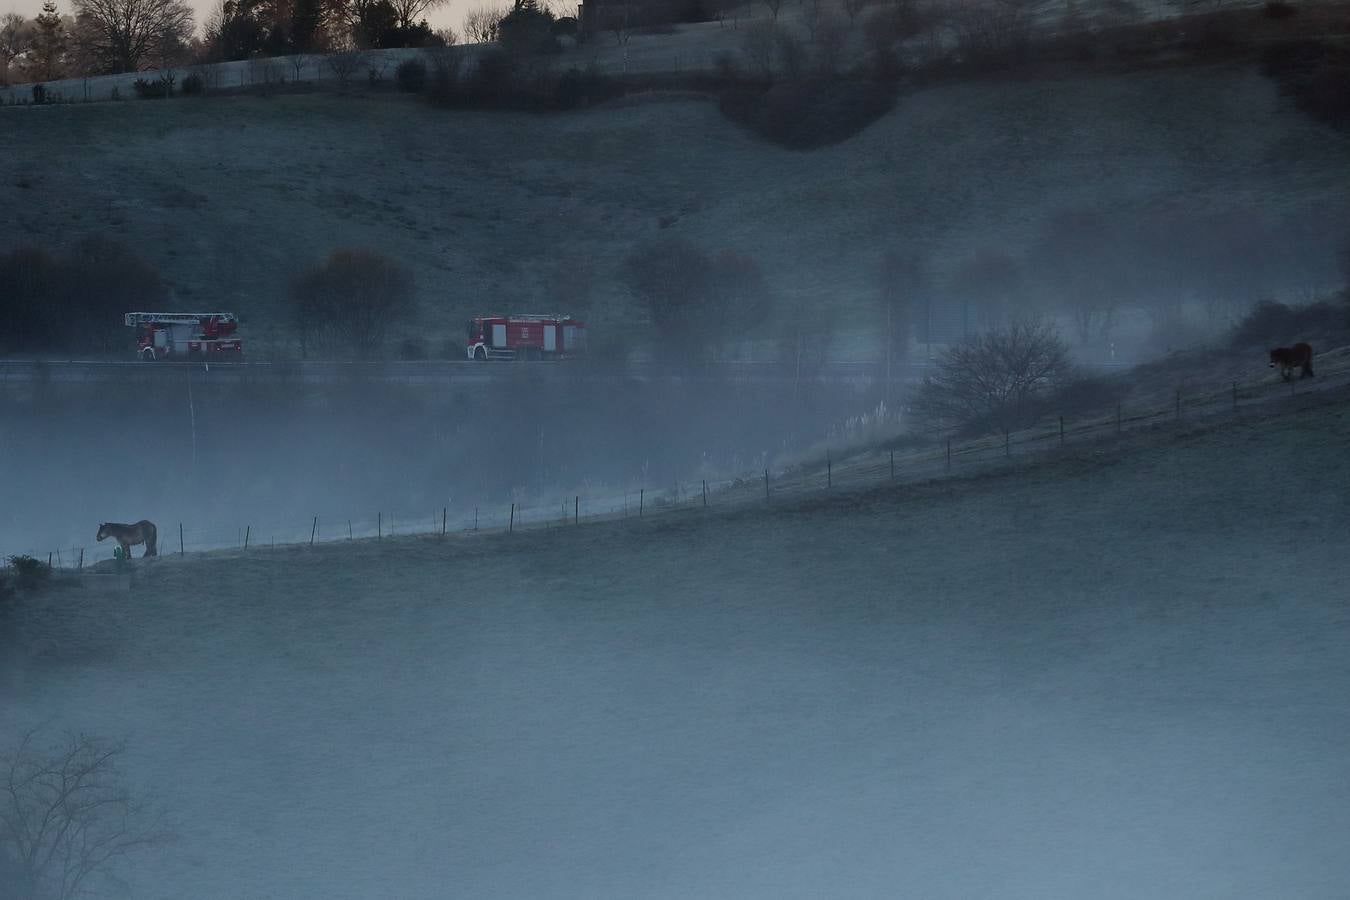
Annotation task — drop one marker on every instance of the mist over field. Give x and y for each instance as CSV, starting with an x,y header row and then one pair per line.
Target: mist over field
x,y
1111,675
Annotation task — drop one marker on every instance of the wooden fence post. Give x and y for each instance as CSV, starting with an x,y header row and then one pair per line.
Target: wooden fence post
x,y
81,565
576,510
705,493
349,529
379,526
181,551
766,484
511,525
642,500
247,532
475,518
444,511
49,560
829,471
1007,443
313,530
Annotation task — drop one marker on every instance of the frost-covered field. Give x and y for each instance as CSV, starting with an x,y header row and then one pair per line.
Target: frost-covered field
x,y
1103,676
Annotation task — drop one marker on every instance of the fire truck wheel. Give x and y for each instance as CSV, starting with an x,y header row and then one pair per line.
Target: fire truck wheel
x,y
480,353
148,354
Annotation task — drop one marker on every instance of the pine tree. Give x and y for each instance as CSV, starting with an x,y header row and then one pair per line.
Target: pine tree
x,y
49,43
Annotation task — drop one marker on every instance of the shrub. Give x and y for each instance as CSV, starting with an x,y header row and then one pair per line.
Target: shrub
x,y
567,26
154,89
803,115
348,302
997,382
194,85
411,76
39,93
1279,10
29,573
1272,324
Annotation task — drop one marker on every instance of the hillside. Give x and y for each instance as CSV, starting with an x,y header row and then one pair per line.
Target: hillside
x,y
831,698
228,196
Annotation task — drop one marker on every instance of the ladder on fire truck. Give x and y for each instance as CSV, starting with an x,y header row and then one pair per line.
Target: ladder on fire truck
x,y
132,319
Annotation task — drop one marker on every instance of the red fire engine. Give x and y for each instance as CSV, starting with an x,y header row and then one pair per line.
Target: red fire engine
x,y
525,337
183,336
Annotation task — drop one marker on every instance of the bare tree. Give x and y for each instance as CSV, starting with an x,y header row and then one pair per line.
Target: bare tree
x,y
409,11
344,62
618,21
482,24
995,382
66,815
126,35
775,7
349,301
448,35
16,36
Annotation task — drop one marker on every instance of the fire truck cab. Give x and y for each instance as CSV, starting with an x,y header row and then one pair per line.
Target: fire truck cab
x,y
186,336
525,337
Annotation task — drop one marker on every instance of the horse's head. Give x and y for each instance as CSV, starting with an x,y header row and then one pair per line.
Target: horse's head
x,y
102,531
1277,356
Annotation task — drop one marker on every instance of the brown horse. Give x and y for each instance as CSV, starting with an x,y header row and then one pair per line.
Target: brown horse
x,y
1290,358
143,532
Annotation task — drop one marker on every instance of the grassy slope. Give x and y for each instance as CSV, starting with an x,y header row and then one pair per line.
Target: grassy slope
x,y
1104,676
229,195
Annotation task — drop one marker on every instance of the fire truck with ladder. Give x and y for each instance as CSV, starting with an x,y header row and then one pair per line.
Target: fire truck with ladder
x,y
186,336
525,337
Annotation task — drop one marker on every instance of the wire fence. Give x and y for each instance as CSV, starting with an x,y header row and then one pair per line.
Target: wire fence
x,y
832,470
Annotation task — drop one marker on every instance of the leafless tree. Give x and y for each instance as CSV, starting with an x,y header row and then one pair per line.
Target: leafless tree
x,y
759,44
482,24
989,30
775,7
617,19
15,38
66,816
410,11
448,35
344,62
127,35
854,8
997,381
350,301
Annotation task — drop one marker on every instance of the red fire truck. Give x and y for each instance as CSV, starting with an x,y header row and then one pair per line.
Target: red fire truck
x,y
185,336
525,337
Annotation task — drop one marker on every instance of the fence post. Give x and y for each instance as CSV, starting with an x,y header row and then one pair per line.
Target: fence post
x,y
829,471
444,511
949,454
511,525
1235,396
705,493
892,465
313,530
349,529
576,510
49,560
61,565
475,518
642,500
247,531
1061,431
181,551
766,484
379,526
81,565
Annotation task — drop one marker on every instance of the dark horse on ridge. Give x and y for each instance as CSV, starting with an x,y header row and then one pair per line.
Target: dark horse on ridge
x,y
1287,359
143,532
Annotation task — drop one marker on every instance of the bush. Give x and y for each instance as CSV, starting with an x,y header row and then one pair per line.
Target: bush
x,y
411,76
347,303
30,574
804,115
1315,75
194,85
1279,10
1272,324
154,89
412,349
39,93
998,382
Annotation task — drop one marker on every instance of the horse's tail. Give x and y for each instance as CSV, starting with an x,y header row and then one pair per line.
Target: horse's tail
x,y
151,539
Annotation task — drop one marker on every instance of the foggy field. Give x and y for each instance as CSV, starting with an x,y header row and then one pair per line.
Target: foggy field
x,y
231,196
1102,676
